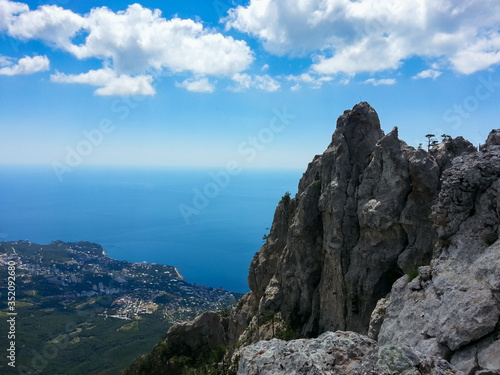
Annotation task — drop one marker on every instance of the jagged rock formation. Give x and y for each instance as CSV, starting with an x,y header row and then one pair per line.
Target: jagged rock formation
x,y
360,221
452,307
372,212
346,353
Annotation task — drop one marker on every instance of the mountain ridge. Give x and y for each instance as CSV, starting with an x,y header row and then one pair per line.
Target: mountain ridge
x,y
370,214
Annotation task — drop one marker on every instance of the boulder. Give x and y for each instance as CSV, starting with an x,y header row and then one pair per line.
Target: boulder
x,y
336,353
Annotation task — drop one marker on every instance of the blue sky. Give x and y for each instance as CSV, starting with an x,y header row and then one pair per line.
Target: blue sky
x,y
201,83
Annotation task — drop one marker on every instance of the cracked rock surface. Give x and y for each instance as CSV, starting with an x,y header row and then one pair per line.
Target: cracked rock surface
x,y
452,308
337,353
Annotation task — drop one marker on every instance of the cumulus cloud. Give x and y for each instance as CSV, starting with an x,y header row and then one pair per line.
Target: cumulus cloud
x,y
139,38
262,82
371,35
313,81
429,73
25,65
243,80
132,42
8,10
49,23
377,82
305,77
110,82
266,83
197,85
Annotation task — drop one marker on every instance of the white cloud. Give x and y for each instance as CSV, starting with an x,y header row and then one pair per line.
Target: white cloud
x,y
138,39
25,65
377,82
325,79
197,85
5,61
429,73
131,42
261,82
50,23
110,82
305,77
313,81
244,81
364,56
8,10
478,55
266,83
372,35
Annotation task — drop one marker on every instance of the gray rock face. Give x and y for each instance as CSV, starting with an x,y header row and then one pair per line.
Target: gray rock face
x,y
489,356
336,353
452,307
207,330
493,139
360,220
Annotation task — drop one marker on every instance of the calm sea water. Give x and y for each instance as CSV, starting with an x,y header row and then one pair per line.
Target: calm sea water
x,y
134,214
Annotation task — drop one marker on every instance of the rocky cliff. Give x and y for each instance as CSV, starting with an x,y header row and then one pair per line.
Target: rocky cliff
x,y
373,214
451,309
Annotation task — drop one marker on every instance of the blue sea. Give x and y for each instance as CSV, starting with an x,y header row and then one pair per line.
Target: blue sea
x,y
205,222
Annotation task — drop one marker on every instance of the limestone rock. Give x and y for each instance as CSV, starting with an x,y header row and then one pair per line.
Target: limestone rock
x,y
489,357
377,318
446,151
493,139
466,360
359,221
457,303
336,353
207,331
